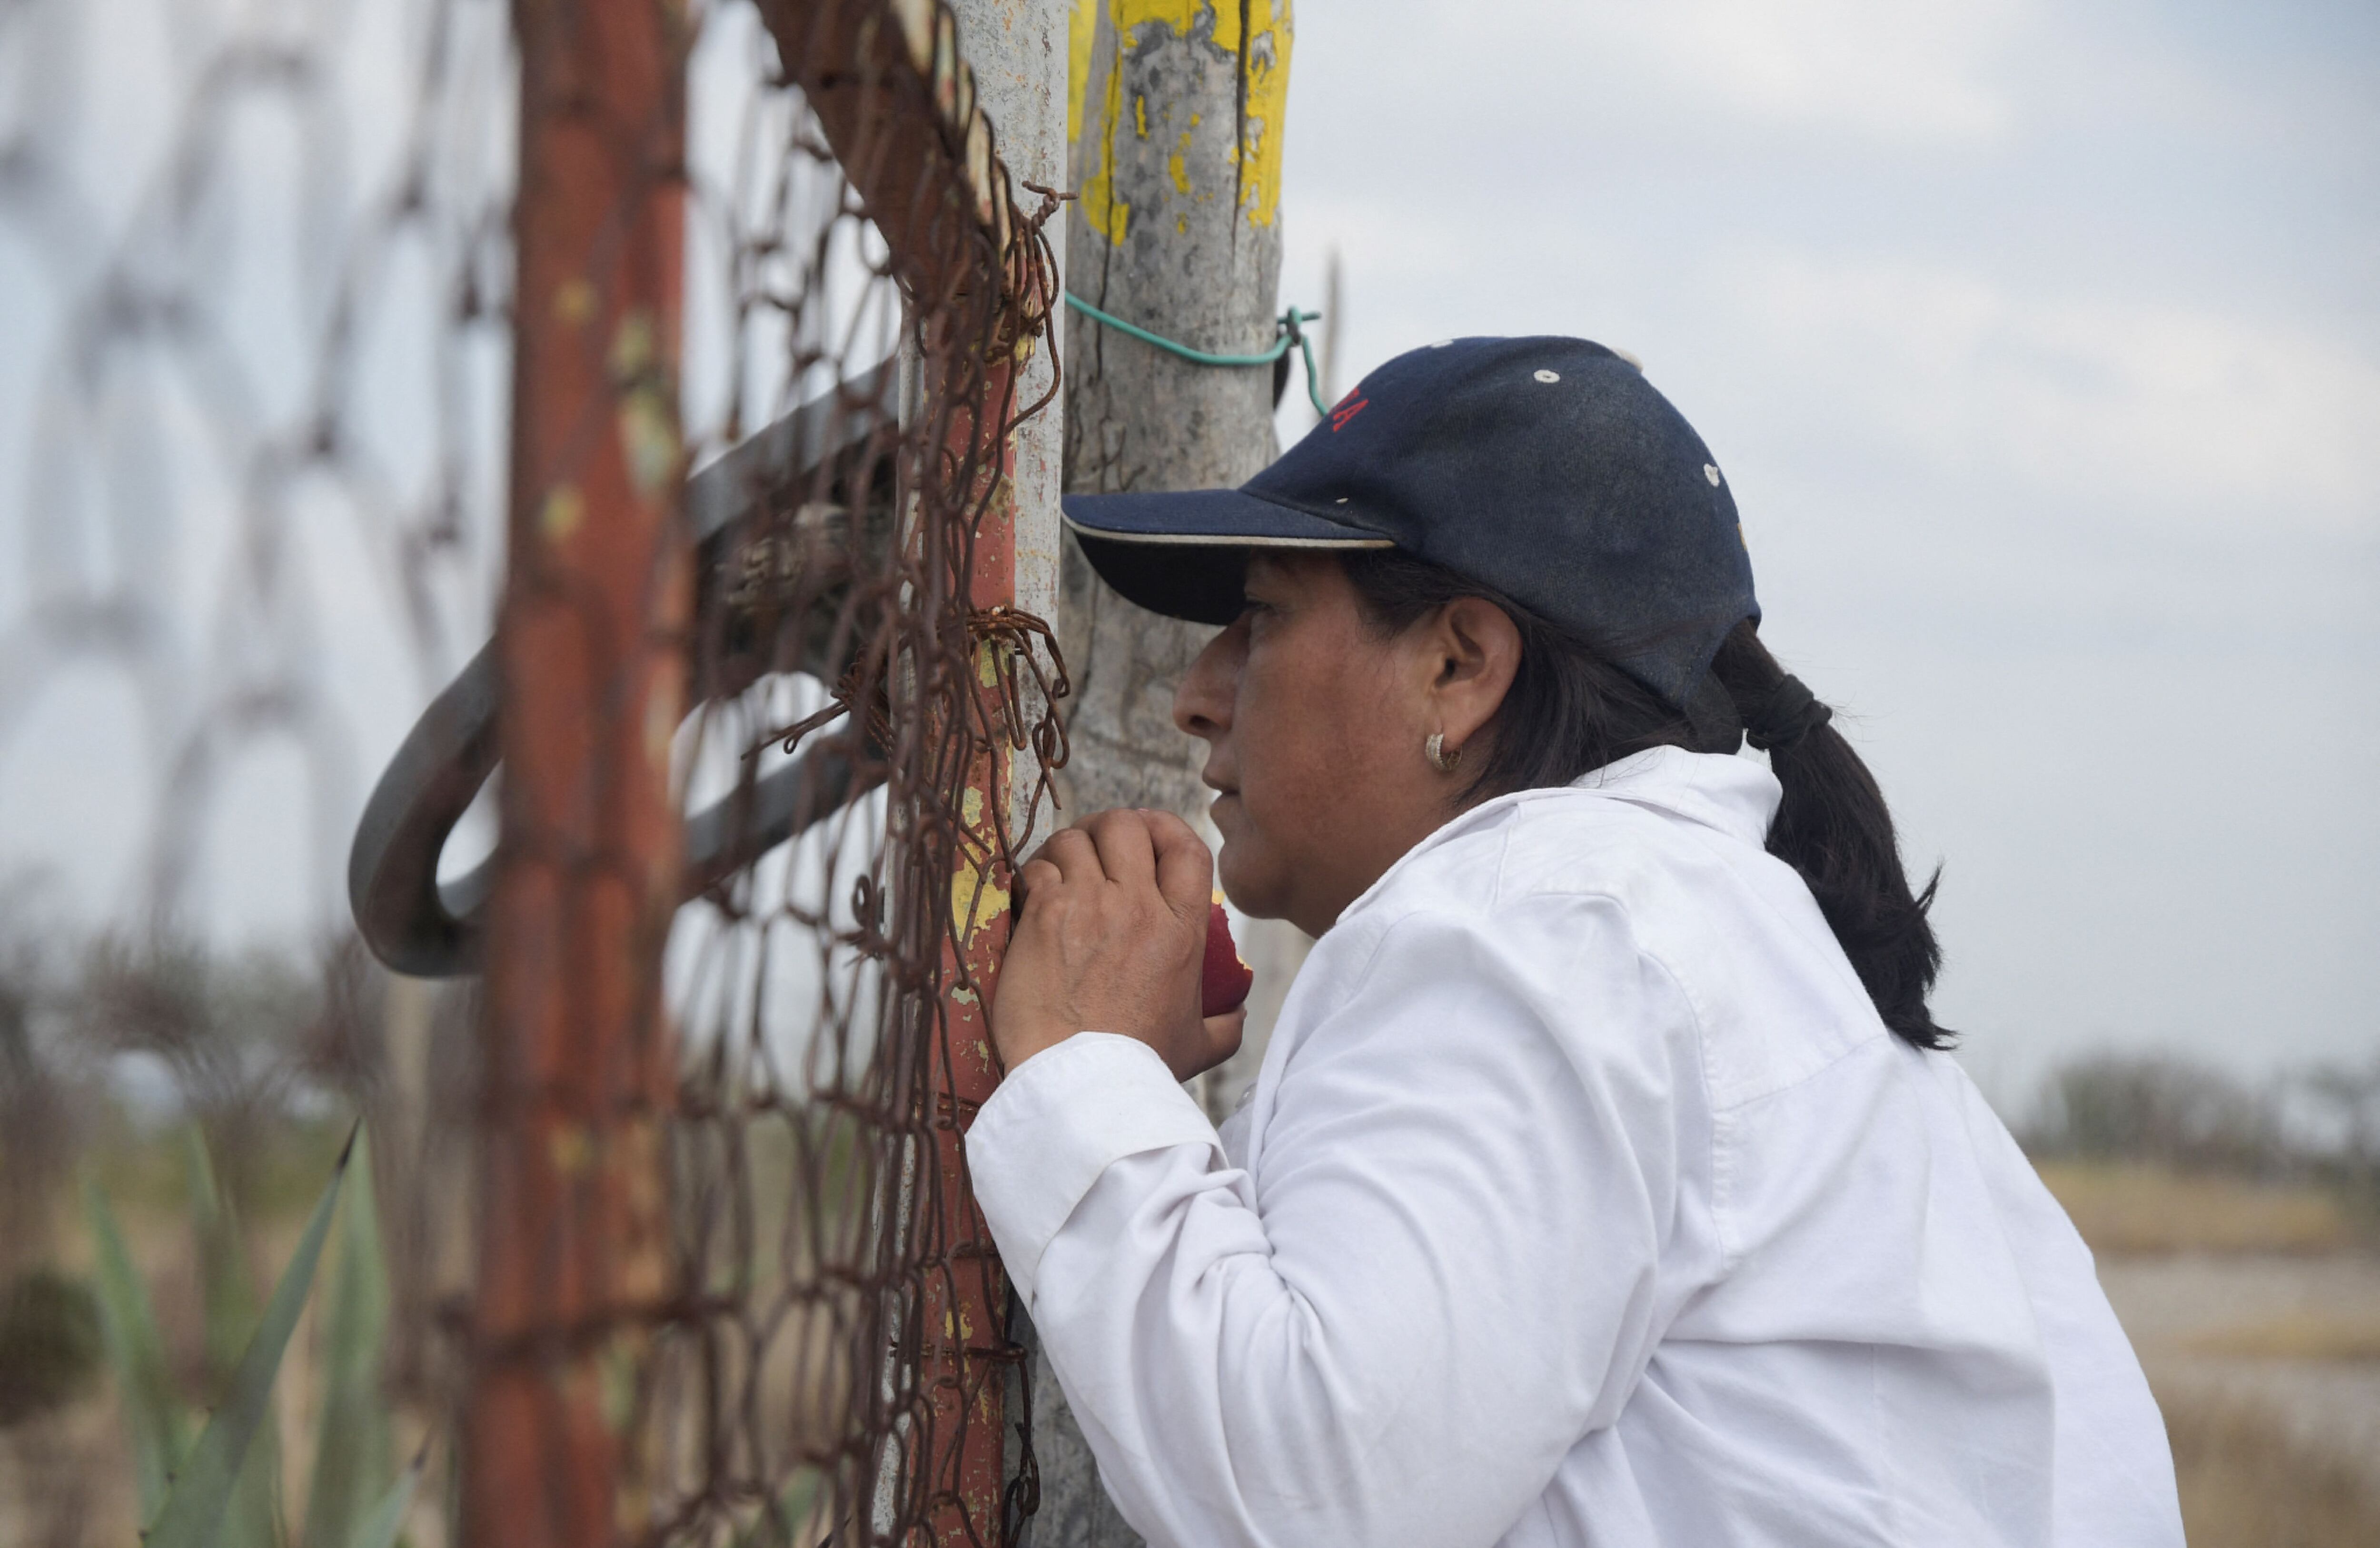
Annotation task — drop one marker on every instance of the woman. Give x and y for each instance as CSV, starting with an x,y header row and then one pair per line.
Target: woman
x,y
1605,1182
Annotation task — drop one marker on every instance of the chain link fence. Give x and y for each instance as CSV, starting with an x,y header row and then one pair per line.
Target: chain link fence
x,y
674,352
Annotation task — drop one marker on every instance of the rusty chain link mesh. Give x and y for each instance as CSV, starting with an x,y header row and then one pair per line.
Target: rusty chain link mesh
x,y
713,318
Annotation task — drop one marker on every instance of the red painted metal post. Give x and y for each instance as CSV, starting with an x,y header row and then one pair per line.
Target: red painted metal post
x,y
964,1374
573,1247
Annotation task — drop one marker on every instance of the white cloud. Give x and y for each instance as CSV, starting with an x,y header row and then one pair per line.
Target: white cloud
x,y
1930,71
1920,67
2156,407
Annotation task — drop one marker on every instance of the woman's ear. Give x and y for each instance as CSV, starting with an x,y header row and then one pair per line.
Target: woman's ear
x,y
1477,651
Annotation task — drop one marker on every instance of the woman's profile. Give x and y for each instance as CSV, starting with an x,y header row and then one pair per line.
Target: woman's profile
x,y
1606,1181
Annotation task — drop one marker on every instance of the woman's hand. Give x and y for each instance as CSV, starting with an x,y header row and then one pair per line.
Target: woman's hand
x,y
1110,931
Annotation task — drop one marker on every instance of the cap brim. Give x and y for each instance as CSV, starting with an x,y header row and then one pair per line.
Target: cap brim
x,y
1184,552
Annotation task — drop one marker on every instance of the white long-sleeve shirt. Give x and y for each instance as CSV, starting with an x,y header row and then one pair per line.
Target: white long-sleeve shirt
x,y
1581,1199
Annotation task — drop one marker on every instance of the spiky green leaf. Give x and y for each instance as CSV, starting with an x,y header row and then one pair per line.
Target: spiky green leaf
x,y
229,1295
379,1528
351,1452
196,1506
152,1415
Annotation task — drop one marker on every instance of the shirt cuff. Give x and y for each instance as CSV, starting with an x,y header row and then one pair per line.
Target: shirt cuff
x,y
1060,1119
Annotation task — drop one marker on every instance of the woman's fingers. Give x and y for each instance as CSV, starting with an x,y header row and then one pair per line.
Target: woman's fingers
x,y
1110,931
1185,868
1036,875
1071,853
1126,852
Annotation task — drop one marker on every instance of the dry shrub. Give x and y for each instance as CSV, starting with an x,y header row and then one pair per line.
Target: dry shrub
x,y
2133,1207
2298,1335
2130,1107
2246,1482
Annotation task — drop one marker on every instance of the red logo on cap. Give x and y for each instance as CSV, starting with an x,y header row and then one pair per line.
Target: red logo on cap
x,y
1349,407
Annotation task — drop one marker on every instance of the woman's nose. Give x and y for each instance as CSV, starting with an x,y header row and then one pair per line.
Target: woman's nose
x,y
1202,703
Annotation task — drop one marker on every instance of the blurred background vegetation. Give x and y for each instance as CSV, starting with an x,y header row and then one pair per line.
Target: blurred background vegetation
x,y
194,1103
168,1117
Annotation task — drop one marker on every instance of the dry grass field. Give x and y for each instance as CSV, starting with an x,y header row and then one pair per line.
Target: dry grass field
x,y
2256,1312
2131,1208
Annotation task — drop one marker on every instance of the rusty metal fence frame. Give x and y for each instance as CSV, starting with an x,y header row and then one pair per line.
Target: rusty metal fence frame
x,y
584,1323
717,1273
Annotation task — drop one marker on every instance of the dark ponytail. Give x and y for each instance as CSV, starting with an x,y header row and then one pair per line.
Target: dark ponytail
x,y
1832,826
1570,711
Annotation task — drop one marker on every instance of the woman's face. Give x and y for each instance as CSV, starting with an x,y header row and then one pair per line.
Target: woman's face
x,y
1315,726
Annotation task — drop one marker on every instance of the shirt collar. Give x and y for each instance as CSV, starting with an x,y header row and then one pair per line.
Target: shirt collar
x,y
1731,792
1736,794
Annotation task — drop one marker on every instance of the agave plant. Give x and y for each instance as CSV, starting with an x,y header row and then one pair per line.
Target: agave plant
x,y
221,1490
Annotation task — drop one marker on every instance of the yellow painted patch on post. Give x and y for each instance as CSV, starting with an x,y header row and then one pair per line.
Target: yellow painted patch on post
x,y
1131,16
564,509
573,302
1178,164
1106,214
633,344
569,1150
977,901
648,437
1082,28
1265,85
1258,33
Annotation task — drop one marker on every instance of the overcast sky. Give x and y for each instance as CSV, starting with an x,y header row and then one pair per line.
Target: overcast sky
x,y
2042,345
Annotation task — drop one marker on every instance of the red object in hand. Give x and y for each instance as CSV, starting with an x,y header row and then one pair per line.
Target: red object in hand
x,y
1224,979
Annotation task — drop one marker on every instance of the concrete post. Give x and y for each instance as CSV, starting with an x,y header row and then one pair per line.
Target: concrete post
x,y
1175,154
1017,49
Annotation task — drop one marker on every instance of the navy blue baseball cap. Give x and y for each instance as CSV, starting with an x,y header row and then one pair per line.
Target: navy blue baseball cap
x,y
1545,468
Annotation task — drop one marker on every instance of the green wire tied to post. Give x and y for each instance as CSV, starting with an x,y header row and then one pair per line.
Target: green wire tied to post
x,y
1292,331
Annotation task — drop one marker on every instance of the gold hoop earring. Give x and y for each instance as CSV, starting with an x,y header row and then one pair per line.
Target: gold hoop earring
x,y
1439,758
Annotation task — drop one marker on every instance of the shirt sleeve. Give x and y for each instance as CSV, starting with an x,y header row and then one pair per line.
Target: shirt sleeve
x,y
1437,1278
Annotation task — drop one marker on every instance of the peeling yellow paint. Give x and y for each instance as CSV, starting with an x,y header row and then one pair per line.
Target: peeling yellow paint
x,y
1131,16
977,901
1105,213
648,438
1178,164
1265,81
971,807
966,996
632,345
564,509
647,416
1257,32
1082,29
574,301
570,1150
